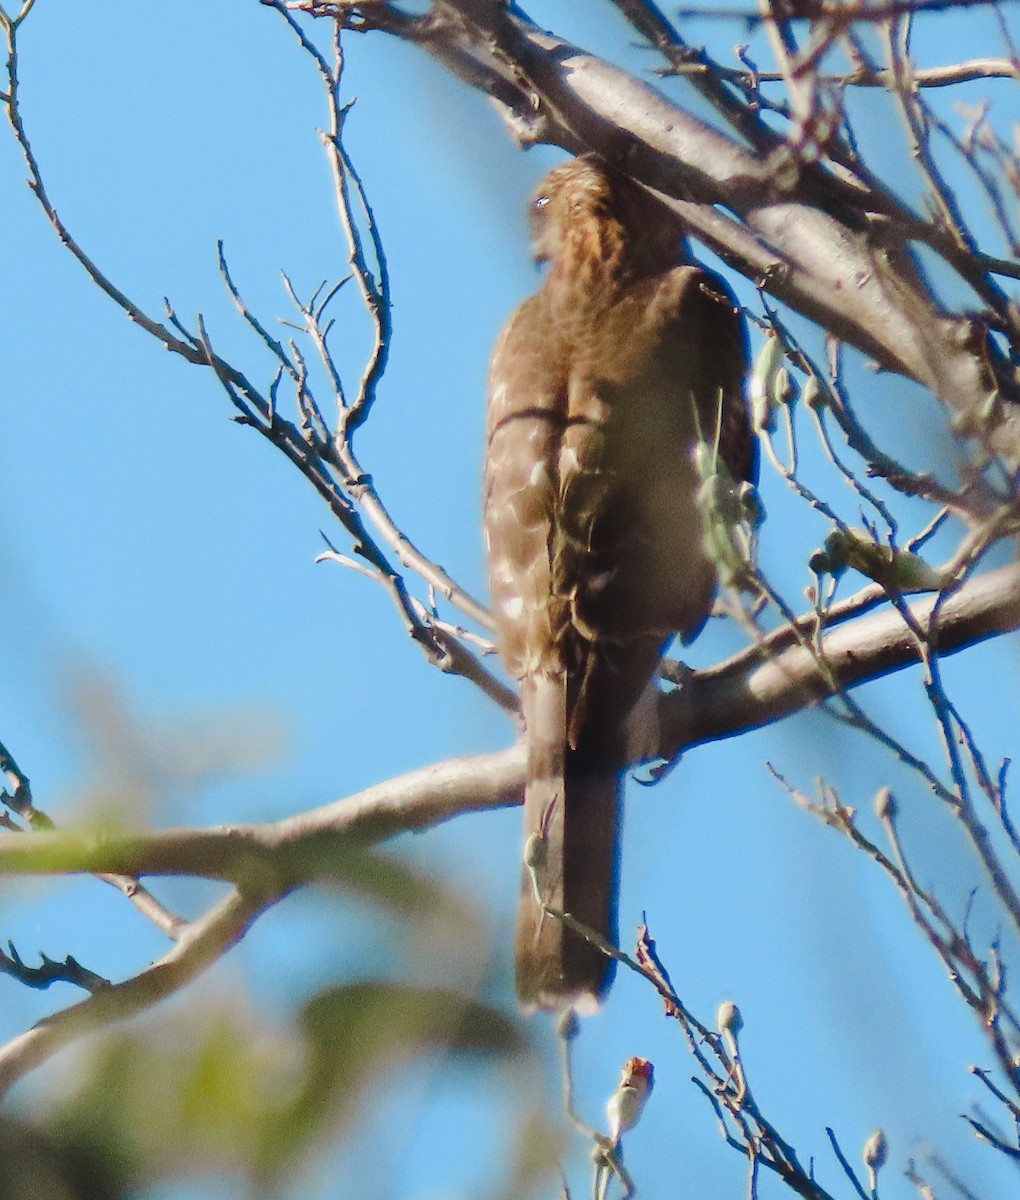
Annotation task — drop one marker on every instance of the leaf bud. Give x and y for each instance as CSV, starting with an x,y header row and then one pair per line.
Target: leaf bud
x,y
728,1018
885,804
536,852
876,1151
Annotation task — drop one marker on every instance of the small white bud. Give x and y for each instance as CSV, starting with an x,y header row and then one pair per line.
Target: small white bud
x,y
814,395
728,1018
875,1154
626,1104
885,804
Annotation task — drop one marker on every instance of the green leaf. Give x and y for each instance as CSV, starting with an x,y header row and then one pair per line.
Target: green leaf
x,y
357,1032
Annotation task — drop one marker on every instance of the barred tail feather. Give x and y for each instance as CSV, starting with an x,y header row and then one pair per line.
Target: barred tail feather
x,y
571,827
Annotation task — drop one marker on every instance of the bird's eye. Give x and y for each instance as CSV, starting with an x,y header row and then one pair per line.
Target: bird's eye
x,y
539,203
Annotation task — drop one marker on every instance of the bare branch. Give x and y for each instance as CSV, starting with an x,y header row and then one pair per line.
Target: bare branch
x,y
50,971
205,942
760,685
863,10
799,230
931,77
296,850
261,414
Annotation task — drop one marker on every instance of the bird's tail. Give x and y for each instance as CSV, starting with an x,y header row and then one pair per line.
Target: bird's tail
x,y
571,831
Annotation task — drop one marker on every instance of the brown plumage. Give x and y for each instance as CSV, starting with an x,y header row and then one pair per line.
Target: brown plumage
x,y
598,386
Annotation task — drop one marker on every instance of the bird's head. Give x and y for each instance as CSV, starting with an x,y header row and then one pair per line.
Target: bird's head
x,y
584,210
570,197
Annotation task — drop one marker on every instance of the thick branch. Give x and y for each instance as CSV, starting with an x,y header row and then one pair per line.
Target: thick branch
x,y
312,845
925,77
743,693
748,691
831,246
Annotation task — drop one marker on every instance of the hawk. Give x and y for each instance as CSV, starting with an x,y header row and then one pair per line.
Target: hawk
x,y
601,384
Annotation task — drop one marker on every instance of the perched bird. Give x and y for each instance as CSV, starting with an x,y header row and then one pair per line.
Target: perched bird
x,y
601,385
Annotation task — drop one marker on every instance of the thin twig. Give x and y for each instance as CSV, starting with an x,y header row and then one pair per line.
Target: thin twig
x,y
20,801
50,971
203,945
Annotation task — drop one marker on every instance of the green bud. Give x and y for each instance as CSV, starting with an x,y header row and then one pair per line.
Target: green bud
x,y
536,852
786,389
704,460
763,387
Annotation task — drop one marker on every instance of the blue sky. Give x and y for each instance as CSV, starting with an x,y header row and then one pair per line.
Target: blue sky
x,y
164,621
